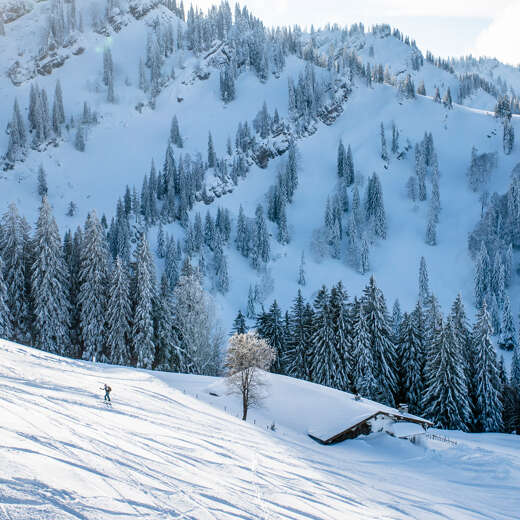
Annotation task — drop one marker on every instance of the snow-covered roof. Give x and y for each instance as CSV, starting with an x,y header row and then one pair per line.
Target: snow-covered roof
x,y
404,429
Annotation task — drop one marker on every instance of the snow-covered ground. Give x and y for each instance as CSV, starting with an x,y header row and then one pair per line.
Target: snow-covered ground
x,y
167,449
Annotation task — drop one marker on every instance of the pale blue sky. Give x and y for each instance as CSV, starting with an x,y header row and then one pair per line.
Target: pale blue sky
x,y
446,27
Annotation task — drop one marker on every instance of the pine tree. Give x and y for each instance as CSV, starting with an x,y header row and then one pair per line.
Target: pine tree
x,y
15,251
397,319
42,182
49,284
431,230
221,268
6,328
212,158
144,296
421,89
301,318
239,324
324,358
364,377
349,167
92,298
2,27
167,353
384,152
374,207
79,141
446,100
261,250
424,284
270,327
380,334
508,138
489,407
482,270
412,359
507,339
339,310
301,271
341,163
118,316
251,303
175,134
445,399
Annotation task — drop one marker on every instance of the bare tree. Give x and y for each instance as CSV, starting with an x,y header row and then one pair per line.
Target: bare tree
x,y
247,356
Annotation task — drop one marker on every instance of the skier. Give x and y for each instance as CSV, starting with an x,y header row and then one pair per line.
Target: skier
x,y
107,390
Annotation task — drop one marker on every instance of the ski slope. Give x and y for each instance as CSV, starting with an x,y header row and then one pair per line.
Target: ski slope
x,y
167,449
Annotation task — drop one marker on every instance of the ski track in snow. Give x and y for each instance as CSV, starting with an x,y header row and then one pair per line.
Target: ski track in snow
x,y
160,452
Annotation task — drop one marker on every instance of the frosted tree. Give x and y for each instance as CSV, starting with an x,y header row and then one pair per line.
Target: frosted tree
x,y
283,232
212,157
508,338
515,367
221,268
108,74
17,136
364,257
195,323
243,238
339,310
42,182
301,318
488,412
446,100
508,138
431,230
261,249
144,295
384,151
324,357
270,326
412,359
482,270
342,158
421,89
445,399
397,319
239,324
167,354
420,171
58,108
2,27
301,271
349,167
227,84
6,328
49,286
79,141
395,139
435,201
118,316
380,334
175,134
424,281
374,207
251,303
15,250
248,356
92,298
364,367
437,95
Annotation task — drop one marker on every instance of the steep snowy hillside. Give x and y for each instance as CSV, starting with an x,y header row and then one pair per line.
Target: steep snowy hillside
x,y
166,448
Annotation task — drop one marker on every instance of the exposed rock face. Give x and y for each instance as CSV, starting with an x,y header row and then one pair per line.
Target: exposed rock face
x,y
11,10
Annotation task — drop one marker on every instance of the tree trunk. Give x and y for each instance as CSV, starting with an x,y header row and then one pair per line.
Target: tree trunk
x,y
244,407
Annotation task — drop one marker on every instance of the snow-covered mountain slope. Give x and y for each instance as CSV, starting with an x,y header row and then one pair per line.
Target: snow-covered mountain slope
x,y
121,146
167,449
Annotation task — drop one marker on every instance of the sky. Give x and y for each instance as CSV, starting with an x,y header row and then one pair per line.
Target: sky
x,y
446,27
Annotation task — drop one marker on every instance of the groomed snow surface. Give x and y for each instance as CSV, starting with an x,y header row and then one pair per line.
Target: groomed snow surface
x,y
167,449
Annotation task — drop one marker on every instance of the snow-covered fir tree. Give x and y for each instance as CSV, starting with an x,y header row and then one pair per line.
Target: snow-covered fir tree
x,y
488,411
145,293
49,286
445,399
92,297
118,317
